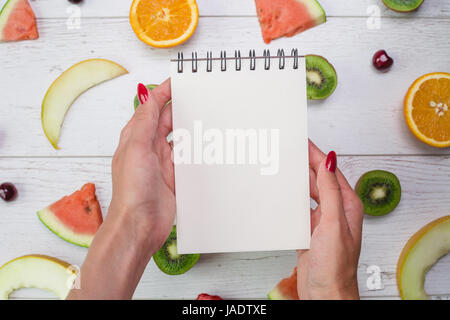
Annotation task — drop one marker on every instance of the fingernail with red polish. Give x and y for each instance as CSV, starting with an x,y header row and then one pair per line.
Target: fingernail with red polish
x,y
331,163
142,93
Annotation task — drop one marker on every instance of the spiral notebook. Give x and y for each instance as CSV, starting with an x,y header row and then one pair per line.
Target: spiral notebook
x,y
241,152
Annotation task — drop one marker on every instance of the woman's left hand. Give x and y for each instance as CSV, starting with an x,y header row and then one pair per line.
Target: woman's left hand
x,y
142,209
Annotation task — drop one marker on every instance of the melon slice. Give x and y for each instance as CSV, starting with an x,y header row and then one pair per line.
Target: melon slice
x,y
17,21
286,289
36,271
75,218
68,87
279,18
420,253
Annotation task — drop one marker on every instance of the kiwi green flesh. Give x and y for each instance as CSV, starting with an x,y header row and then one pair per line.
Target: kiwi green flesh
x,y
379,191
403,5
169,261
136,99
321,77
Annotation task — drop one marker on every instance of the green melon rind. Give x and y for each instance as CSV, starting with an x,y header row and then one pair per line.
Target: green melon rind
x,y
4,15
275,294
13,278
315,10
409,276
49,219
398,8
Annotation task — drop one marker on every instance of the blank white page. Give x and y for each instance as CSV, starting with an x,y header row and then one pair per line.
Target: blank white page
x,y
233,198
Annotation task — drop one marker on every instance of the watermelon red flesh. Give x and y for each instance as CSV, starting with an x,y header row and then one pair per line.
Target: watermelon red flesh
x,y
205,296
75,218
17,21
286,289
280,18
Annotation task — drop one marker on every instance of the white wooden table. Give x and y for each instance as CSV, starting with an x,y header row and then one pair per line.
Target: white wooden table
x,y
362,121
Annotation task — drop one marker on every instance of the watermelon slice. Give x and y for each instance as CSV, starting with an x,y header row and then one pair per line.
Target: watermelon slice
x,y
75,218
205,296
17,21
286,289
279,18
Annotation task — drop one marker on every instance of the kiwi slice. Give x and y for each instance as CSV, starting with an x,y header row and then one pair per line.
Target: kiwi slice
x,y
403,5
379,191
169,261
321,77
136,99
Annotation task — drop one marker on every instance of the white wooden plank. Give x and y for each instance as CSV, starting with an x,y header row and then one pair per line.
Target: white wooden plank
x,y
364,116
333,8
425,183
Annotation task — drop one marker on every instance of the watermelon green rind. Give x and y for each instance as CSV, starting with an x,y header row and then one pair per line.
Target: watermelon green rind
x,y
57,227
275,294
315,10
8,17
286,18
4,14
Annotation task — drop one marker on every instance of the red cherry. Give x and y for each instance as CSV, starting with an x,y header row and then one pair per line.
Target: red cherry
x,y
205,296
8,191
381,60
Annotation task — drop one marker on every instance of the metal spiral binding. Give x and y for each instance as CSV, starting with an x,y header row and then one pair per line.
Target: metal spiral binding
x,y
194,62
252,57
295,55
223,60
209,61
237,56
266,55
282,59
238,60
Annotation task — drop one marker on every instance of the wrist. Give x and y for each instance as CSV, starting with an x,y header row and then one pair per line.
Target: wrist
x,y
350,292
129,226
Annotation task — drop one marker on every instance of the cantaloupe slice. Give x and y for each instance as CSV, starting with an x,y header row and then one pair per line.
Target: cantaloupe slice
x,y
286,289
36,271
17,21
68,87
75,218
420,253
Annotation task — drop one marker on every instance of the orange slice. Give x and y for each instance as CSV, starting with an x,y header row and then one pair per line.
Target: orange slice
x,y
427,109
164,23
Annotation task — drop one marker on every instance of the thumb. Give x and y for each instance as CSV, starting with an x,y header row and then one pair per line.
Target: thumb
x,y
146,116
330,195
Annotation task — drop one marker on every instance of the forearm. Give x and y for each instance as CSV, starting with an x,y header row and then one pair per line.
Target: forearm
x,y
116,260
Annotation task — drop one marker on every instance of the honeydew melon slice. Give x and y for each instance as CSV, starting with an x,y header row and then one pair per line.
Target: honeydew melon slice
x,y
420,253
68,87
36,271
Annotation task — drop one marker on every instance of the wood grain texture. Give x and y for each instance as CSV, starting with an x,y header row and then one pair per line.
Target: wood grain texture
x,y
425,183
363,116
333,8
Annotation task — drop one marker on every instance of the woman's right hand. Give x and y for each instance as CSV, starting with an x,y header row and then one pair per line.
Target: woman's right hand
x,y
328,270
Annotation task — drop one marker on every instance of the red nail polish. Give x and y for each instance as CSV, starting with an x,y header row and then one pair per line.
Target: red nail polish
x,y
331,163
142,93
